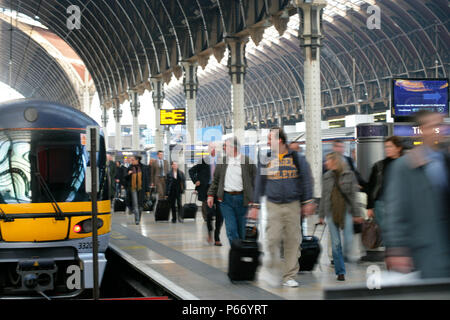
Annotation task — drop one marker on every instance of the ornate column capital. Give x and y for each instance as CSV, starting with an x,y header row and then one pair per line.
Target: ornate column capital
x,y
117,112
157,91
104,117
190,80
237,62
310,28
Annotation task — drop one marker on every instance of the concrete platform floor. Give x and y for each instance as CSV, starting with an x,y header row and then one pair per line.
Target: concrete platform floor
x,y
179,254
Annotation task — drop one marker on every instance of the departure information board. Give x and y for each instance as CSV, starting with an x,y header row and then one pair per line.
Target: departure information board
x,y
172,116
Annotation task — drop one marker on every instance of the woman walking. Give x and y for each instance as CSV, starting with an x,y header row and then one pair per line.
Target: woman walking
x,y
175,186
339,208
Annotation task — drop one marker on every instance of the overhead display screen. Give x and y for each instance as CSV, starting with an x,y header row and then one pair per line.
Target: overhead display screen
x,y
172,116
412,95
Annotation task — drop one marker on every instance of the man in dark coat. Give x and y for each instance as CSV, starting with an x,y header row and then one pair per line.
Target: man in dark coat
x,y
138,183
201,175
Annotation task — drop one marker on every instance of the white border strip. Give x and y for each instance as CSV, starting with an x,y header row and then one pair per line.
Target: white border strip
x,y
154,275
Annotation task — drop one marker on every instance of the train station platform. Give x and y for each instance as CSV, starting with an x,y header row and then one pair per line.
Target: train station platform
x,y
177,256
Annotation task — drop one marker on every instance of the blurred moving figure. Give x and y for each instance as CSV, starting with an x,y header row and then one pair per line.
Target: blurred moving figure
x,y
159,170
201,175
286,181
118,179
393,149
340,209
339,147
417,226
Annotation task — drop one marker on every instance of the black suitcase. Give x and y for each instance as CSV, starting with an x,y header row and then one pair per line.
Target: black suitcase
x,y
189,210
162,210
309,251
119,204
243,260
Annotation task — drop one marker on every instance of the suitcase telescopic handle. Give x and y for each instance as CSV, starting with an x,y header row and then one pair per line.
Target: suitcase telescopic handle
x,y
193,193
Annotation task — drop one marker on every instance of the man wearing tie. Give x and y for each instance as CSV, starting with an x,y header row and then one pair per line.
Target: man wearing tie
x,y
160,168
201,175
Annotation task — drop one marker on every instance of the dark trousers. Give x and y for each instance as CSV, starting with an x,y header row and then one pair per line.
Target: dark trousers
x,y
175,201
211,213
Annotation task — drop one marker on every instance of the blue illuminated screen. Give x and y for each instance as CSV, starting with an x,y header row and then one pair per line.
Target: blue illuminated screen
x,y
411,95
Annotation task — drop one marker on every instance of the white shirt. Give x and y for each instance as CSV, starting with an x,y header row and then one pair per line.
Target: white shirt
x,y
233,176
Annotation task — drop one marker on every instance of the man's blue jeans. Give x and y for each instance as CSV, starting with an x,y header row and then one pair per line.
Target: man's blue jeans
x,y
336,243
234,213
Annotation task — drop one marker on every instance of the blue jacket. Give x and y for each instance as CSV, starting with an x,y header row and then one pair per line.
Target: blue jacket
x,y
289,181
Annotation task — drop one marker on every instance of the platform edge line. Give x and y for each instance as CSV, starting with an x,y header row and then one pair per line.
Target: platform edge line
x,y
154,275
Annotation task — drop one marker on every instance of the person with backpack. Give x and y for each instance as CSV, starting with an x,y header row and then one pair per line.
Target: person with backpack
x,y
285,180
339,207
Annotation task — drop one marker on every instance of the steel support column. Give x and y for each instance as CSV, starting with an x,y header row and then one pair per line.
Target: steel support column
x,y
237,65
158,98
310,34
190,84
105,119
135,107
117,115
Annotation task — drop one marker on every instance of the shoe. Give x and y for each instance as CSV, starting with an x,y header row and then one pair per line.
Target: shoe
x,y
174,221
180,220
290,283
218,243
137,223
340,277
332,262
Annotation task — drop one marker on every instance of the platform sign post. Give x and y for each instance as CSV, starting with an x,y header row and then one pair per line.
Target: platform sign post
x,y
93,146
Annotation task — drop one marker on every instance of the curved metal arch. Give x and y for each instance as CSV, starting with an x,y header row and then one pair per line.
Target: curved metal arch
x,y
56,85
205,26
99,37
177,42
268,77
128,37
423,32
364,36
224,26
63,36
221,92
155,51
163,38
404,35
24,5
362,54
142,45
191,41
296,54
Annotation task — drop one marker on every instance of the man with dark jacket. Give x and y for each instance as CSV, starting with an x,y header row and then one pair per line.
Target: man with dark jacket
x,y
138,184
286,181
201,175
233,185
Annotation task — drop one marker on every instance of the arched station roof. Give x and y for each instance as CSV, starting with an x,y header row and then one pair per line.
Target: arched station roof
x,y
33,72
413,42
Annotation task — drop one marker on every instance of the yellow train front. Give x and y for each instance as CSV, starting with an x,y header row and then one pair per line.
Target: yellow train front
x,y
45,212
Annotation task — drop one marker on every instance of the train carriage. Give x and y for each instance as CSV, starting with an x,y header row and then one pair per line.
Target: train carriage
x,y
45,226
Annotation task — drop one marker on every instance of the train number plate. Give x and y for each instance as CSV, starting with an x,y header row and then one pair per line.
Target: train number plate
x,y
85,245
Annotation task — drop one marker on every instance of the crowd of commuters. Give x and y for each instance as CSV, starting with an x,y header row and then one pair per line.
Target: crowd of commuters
x,y
408,196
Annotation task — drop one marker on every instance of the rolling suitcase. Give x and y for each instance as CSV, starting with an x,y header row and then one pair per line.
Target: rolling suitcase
x,y
243,259
310,251
189,210
162,210
119,204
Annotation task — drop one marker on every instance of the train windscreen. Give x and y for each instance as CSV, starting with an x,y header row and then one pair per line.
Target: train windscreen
x,y
57,156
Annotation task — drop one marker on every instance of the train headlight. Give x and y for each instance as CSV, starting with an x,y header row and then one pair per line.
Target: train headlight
x,y
85,226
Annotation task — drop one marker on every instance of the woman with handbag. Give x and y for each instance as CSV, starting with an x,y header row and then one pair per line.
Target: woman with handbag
x,y
339,208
